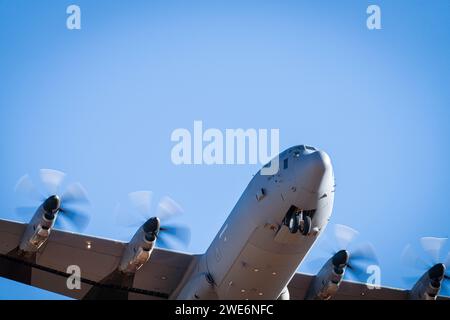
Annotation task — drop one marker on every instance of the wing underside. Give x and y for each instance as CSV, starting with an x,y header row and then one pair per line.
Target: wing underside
x,y
348,290
96,259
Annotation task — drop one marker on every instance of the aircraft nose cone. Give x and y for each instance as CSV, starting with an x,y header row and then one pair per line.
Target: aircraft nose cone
x,y
319,162
316,170
52,204
151,225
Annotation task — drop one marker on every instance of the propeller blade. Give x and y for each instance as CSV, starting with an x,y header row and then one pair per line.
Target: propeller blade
x,y
75,193
356,273
445,287
127,218
161,242
141,204
136,211
61,224
181,233
52,179
433,246
364,253
167,208
25,212
79,220
26,187
411,259
141,201
344,235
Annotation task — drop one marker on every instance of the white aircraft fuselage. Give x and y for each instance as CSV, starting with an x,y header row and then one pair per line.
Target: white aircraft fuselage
x,y
255,254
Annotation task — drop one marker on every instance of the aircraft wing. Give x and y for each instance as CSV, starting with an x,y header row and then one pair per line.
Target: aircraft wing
x,y
347,290
97,260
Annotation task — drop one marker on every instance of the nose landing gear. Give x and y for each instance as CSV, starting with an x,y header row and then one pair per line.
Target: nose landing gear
x,y
298,221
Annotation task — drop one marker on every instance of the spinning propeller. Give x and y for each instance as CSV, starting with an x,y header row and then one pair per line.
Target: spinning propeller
x,y
346,255
438,267
57,205
140,214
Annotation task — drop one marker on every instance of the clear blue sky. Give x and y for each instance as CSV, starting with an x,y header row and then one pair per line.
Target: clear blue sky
x,y
100,104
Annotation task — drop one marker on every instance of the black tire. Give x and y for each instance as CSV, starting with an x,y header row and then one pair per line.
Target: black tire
x,y
306,229
293,224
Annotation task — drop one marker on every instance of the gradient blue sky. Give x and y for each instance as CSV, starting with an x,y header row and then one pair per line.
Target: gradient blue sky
x,y
100,104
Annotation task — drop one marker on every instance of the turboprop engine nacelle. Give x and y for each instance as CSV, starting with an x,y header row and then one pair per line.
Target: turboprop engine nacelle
x,y
325,285
429,285
139,249
39,228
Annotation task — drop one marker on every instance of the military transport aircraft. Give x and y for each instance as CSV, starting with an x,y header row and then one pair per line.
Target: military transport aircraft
x,y
254,255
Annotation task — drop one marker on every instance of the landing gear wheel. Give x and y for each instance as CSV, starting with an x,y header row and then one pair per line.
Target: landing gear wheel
x,y
305,227
294,223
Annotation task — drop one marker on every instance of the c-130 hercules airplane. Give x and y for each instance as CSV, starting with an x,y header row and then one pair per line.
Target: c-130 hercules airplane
x,y
254,255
